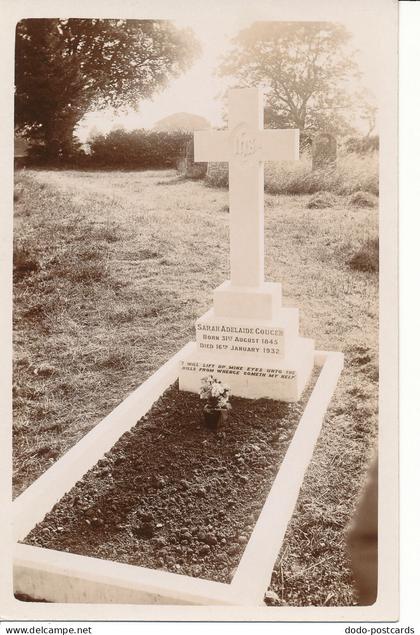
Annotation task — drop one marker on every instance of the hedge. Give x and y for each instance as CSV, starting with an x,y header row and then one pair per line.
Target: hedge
x,y
138,149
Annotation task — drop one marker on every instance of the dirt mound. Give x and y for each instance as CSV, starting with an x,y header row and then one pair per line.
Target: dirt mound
x,y
363,199
322,200
173,495
367,257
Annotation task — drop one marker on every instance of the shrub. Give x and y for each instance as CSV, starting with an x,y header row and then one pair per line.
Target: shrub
x,y
39,156
145,149
362,145
367,258
352,173
290,177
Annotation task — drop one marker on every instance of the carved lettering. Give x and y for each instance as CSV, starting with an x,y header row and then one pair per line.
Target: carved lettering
x,y
245,143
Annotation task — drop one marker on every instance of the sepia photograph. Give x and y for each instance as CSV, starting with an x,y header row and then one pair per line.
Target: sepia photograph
x,y
204,214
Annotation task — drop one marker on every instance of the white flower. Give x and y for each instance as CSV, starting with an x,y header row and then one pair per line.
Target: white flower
x,y
216,393
217,390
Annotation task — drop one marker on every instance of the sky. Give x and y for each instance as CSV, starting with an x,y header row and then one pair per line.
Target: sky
x,y
198,90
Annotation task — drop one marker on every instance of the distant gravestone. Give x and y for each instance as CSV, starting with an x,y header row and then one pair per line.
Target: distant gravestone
x,y
187,166
324,151
218,173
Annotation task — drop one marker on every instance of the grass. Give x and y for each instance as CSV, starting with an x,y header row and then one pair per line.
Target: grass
x,y
112,270
353,173
321,200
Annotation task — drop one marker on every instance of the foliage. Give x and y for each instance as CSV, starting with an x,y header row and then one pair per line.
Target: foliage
x,y
138,149
362,145
185,121
352,173
368,114
305,67
215,393
67,67
366,259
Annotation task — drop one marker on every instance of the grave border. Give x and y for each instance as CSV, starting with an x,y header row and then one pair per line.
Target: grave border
x,y
65,577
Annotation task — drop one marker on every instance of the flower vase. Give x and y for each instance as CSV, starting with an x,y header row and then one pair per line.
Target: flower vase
x,y
213,418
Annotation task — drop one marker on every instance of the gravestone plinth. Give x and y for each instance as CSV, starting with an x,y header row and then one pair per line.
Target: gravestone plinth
x,y
252,344
248,339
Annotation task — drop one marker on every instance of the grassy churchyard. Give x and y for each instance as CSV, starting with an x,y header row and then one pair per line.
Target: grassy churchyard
x,y
111,270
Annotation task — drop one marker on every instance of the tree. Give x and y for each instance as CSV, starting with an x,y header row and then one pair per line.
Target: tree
x,y
66,68
306,69
368,115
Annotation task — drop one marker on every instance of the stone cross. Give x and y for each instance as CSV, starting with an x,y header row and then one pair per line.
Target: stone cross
x,y
245,145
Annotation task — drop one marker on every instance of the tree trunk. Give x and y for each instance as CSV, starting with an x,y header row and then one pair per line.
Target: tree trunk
x,y
59,143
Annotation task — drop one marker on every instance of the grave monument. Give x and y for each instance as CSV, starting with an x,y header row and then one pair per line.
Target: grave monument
x,y
324,151
186,164
248,339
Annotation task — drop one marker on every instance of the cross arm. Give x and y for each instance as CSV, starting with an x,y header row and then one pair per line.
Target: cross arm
x,y
211,145
279,145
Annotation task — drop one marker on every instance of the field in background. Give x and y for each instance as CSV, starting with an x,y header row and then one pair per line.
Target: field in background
x,y
112,269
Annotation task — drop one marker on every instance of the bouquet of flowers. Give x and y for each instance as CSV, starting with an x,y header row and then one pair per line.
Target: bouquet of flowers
x,y
215,393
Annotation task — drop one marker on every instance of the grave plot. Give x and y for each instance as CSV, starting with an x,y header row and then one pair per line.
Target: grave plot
x,y
59,576
252,343
174,495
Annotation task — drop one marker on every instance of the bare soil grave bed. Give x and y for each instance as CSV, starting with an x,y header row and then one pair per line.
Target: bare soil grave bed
x,y
173,495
